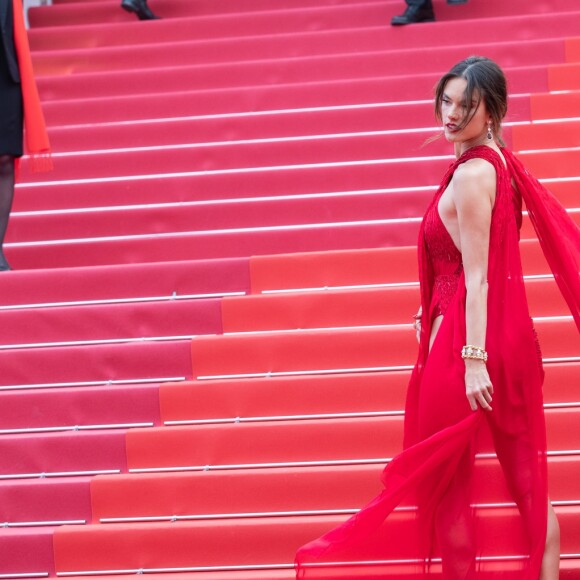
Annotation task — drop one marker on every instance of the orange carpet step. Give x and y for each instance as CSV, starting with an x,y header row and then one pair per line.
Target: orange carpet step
x,y
310,395
354,307
569,570
283,396
339,349
356,267
279,491
248,542
335,440
555,135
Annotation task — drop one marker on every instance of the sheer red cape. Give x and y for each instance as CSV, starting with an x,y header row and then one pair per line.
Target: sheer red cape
x,y
36,136
467,498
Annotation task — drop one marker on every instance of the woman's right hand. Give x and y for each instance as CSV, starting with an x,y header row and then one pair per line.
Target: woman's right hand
x,y
417,323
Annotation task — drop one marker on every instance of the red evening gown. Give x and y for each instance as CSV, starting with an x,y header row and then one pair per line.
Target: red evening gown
x,y
467,498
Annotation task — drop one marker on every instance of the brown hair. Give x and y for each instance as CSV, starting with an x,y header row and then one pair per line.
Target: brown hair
x,y
485,81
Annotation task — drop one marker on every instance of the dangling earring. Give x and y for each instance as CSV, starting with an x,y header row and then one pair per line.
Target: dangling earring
x,y
489,133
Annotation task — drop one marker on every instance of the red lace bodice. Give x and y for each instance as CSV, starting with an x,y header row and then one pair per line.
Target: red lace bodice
x,y
445,259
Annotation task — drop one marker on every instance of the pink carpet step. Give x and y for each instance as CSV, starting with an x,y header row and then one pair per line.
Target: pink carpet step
x,y
301,43
491,26
59,499
80,406
261,98
126,282
143,188
174,318
274,125
243,399
59,453
231,156
183,180
211,23
139,361
208,245
218,216
101,12
319,440
523,74
217,494
196,72
26,551
243,542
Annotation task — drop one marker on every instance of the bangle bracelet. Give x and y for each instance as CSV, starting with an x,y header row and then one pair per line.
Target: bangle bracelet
x,y
473,352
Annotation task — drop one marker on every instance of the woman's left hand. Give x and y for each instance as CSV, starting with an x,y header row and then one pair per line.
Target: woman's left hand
x,y
478,387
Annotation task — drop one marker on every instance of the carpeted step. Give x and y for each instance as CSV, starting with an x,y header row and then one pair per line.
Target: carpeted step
x,y
552,135
491,26
232,22
243,542
569,570
137,361
62,453
401,118
222,446
232,400
332,349
90,110
233,159
128,282
354,307
524,74
320,270
277,491
257,399
26,552
79,407
102,12
176,318
267,68
399,207
38,501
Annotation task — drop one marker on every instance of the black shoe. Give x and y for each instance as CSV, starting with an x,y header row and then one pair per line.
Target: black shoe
x,y
140,8
4,265
414,14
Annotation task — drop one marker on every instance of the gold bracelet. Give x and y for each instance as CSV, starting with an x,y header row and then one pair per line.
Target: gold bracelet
x,y
473,352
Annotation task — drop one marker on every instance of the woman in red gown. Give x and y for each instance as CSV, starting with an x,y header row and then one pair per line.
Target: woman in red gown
x,y
467,498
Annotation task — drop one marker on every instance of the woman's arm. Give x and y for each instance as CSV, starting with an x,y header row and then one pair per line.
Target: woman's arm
x,y
474,185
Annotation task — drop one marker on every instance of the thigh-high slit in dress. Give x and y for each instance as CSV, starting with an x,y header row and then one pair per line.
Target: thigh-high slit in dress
x,y
467,498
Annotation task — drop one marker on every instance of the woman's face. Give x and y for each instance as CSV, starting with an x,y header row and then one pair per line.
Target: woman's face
x,y
454,110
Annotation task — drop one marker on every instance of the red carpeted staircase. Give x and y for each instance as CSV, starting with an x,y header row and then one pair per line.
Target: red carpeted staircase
x,y
206,339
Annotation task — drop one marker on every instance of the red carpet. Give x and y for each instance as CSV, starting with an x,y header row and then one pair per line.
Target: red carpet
x,y
206,339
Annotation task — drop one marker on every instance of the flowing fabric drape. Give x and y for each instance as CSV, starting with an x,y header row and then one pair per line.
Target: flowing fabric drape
x,y
440,510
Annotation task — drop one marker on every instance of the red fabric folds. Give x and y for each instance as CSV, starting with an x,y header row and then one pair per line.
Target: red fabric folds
x,y
36,137
431,516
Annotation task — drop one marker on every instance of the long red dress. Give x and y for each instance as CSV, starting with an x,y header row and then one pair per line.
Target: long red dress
x,y
467,498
